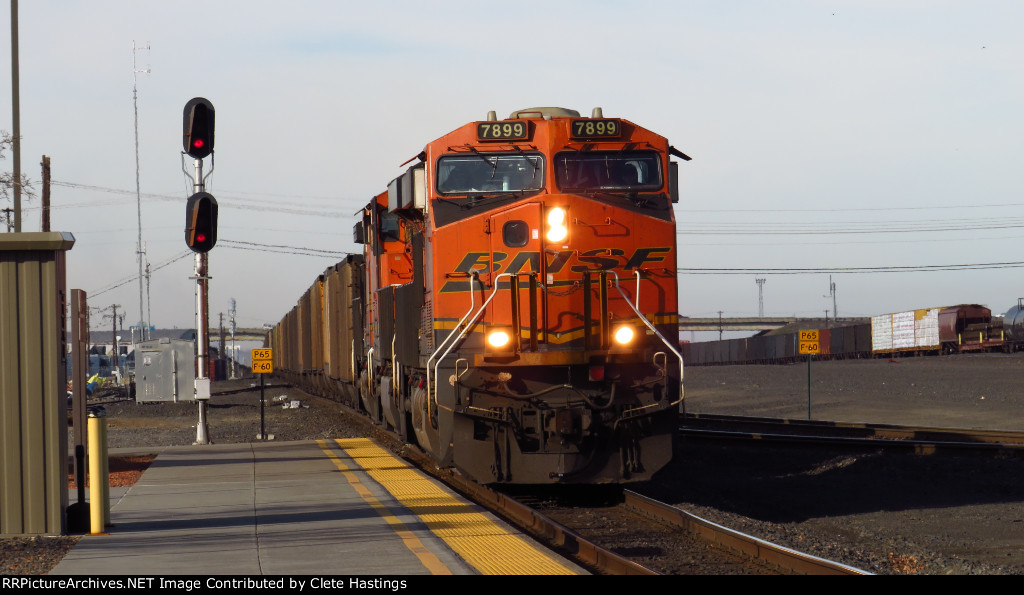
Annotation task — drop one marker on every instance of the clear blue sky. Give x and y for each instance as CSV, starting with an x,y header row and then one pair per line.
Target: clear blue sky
x,y
826,135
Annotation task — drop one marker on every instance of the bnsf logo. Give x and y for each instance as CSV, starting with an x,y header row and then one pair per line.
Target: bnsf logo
x,y
600,259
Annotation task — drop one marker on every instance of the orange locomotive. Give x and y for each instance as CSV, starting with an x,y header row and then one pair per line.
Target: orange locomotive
x,y
515,310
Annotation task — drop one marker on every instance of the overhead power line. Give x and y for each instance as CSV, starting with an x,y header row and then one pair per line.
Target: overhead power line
x,y
297,205
280,249
845,227
973,207
128,280
849,270
237,245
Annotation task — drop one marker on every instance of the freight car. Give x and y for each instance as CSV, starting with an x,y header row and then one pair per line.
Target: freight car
x,y
1013,326
928,331
511,310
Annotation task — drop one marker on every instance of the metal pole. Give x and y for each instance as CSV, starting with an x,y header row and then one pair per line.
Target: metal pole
x,y
234,352
99,482
808,386
263,400
16,117
138,191
202,326
760,296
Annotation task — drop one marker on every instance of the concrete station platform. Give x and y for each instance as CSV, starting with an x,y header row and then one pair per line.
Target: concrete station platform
x,y
344,507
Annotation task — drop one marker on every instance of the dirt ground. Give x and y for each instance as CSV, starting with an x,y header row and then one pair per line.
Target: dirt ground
x,y
905,513
964,391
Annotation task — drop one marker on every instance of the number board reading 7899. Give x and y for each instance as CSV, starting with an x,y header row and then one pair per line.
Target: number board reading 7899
x,y
501,131
595,128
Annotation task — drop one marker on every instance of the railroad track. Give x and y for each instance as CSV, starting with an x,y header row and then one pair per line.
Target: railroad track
x,y
736,550
785,559
922,440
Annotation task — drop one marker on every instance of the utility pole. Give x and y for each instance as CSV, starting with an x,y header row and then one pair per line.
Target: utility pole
x,y
719,325
832,289
45,223
15,117
760,297
149,312
234,354
223,339
113,337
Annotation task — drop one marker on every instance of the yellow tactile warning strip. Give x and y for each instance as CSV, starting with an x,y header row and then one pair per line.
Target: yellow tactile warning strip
x,y
410,540
481,542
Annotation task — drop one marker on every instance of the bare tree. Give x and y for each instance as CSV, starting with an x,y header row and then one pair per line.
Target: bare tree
x,y
7,180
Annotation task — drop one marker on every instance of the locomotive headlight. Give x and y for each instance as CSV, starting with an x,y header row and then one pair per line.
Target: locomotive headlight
x,y
558,228
499,339
624,335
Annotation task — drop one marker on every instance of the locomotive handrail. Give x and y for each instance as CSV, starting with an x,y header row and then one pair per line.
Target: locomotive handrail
x,y
637,273
472,304
652,328
396,369
369,373
462,335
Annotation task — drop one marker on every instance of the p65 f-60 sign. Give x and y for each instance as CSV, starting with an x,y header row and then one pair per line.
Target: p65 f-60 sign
x,y
810,343
262,361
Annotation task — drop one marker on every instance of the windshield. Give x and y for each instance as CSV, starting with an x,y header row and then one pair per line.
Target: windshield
x,y
594,170
482,172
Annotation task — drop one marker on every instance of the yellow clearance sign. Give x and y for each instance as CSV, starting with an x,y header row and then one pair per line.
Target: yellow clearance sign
x,y
810,342
262,361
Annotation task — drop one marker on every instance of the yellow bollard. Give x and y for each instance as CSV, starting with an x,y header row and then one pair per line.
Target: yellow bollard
x,y
99,471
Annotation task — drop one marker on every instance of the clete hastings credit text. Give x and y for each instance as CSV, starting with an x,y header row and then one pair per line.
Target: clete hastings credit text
x,y
293,584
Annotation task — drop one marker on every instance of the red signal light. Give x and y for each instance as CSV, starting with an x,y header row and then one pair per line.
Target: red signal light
x,y
198,124
201,222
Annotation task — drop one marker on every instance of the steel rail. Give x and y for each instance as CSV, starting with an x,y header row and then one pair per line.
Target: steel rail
x,y
923,439
787,559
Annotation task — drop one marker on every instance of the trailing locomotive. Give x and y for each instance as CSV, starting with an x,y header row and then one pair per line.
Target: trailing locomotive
x,y
514,311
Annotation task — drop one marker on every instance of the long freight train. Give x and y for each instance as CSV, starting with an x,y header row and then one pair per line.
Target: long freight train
x,y
514,311
925,331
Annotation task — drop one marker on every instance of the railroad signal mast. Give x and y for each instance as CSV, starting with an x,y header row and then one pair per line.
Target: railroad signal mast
x,y
200,237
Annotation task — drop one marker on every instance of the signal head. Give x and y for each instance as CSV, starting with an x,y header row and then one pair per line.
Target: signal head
x,y
198,125
201,222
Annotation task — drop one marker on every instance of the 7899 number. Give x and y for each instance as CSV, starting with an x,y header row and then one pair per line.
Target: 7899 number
x,y
501,130
592,128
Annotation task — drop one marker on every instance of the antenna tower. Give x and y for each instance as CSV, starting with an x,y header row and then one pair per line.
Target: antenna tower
x,y
138,192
